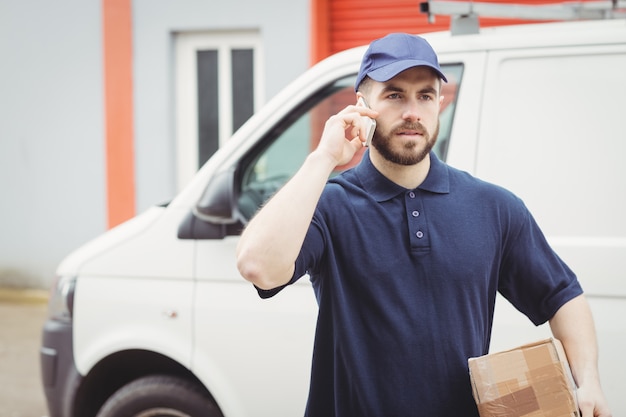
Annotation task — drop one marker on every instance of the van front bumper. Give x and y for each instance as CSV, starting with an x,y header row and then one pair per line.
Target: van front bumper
x,y
59,375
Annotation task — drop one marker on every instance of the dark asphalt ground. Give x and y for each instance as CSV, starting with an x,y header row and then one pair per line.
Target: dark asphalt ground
x,y
22,314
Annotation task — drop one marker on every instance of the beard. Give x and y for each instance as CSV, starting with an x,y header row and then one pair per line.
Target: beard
x,y
411,152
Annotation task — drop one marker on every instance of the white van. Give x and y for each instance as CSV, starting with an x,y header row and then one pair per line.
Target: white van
x,y
156,310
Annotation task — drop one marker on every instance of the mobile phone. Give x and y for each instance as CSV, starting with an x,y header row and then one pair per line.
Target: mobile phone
x,y
369,123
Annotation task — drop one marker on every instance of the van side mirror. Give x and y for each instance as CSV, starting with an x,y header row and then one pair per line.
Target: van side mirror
x,y
217,204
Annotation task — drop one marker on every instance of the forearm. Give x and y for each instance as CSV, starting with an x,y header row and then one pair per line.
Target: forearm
x,y
270,244
573,326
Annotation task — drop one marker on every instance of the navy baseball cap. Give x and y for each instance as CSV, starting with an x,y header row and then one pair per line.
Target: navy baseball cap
x,y
387,57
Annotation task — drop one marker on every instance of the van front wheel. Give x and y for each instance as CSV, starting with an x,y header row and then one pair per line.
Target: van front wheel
x,y
159,396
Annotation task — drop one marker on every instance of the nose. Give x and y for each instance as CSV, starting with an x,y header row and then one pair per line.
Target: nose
x,y
411,111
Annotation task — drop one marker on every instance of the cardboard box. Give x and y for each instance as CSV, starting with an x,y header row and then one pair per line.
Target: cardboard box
x,y
533,380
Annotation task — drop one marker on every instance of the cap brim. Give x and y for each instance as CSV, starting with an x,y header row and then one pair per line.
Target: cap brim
x,y
389,71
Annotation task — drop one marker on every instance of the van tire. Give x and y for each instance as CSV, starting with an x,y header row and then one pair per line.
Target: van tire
x,y
160,396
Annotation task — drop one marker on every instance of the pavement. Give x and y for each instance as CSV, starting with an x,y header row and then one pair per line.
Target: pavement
x,y
22,315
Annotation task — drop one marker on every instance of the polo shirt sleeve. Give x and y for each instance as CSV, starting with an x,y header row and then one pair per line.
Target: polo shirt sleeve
x,y
532,276
310,253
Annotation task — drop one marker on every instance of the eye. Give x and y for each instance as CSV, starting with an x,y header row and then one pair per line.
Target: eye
x,y
426,97
394,96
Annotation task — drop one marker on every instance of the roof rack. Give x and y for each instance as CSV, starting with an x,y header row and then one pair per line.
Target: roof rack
x,y
465,13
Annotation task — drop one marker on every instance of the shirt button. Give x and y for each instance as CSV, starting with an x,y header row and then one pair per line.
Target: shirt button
x,y
419,234
415,213
411,194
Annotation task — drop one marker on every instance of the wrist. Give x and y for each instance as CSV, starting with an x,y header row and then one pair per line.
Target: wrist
x,y
322,160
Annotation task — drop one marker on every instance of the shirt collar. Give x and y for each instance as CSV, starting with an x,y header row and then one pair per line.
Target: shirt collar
x,y
382,189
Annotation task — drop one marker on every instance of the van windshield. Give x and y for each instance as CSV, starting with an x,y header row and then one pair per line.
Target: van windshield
x,y
280,155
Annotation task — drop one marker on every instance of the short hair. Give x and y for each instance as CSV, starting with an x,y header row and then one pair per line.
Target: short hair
x,y
365,85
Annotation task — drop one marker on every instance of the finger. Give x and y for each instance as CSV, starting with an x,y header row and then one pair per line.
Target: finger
x,y
353,132
357,143
366,111
586,410
359,110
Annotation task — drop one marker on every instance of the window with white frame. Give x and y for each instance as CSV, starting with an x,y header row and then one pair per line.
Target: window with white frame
x,y
218,88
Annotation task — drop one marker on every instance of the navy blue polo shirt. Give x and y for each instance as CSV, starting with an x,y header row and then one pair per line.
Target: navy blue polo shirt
x,y
406,282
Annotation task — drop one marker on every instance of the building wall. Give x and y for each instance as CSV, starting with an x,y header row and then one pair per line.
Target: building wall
x,y
51,134
52,125
284,28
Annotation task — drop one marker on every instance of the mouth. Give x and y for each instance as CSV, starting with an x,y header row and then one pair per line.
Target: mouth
x,y
410,131
410,135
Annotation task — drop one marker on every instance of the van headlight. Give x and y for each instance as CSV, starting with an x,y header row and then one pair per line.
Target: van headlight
x,y
61,302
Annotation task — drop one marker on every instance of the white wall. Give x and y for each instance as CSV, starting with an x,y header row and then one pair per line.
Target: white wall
x,y
52,161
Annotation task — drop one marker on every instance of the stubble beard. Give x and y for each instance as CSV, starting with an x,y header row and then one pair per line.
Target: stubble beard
x,y
410,154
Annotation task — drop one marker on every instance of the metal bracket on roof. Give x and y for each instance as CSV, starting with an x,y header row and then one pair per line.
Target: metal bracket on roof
x,y
465,13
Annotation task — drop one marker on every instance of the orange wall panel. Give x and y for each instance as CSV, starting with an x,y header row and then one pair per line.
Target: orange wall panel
x,y
343,24
118,98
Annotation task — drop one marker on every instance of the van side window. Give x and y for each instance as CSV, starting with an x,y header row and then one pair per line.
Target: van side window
x,y
449,91
280,154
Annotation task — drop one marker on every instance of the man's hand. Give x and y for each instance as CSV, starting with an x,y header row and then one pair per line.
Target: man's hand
x,y
344,134
592,403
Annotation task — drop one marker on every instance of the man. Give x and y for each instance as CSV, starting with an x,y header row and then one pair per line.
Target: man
x,y
406,255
